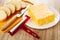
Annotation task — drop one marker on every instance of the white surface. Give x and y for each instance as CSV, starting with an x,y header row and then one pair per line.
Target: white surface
x,y
31,24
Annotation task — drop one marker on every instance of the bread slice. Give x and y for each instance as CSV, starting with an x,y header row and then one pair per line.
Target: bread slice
x,y
6,9
11,7
24,4
17,4
3,15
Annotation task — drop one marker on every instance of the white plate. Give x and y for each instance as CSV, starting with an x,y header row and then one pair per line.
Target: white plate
x,y
31,24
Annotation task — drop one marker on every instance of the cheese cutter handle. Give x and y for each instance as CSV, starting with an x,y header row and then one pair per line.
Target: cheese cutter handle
x,y
29,31
26,29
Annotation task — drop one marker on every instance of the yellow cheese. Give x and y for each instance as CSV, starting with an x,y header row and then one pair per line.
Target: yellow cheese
x,y
41,14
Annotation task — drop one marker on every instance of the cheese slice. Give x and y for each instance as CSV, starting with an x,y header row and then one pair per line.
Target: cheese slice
x,y
17,4
6,9
32,1
23,4
29,1
41,14
3,15
11,7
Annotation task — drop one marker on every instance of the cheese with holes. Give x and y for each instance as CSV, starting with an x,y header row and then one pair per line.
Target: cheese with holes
x,y
11,7
23,4
29,1
17,4
41,14
6,9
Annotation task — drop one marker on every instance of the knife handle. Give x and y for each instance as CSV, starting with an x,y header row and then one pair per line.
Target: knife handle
x,y
9,22
29,31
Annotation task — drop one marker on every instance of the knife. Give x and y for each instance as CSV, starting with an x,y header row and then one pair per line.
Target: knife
x,y
5,26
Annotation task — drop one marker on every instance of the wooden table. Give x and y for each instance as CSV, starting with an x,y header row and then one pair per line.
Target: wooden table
x,y
46,34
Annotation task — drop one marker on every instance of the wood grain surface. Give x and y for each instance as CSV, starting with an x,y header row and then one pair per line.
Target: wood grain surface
x,y
46,34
